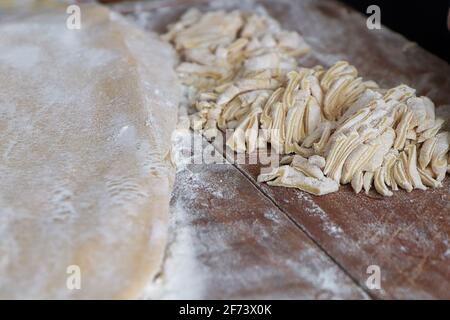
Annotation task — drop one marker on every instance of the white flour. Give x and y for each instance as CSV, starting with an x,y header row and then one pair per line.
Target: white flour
x,y
181,276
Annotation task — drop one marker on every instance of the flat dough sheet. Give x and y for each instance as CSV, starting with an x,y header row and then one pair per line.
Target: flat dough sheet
x,y
86,118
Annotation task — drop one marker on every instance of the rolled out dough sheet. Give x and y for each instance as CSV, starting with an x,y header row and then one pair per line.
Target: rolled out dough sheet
x,y
85,123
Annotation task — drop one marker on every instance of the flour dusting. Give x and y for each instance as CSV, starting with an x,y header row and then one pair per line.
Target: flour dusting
x,y
181,275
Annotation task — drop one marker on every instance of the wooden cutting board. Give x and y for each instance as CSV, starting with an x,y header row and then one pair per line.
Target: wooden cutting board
x,y
235,238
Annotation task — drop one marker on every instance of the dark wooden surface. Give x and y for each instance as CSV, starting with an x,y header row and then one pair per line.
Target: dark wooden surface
x,y
256,241
245,246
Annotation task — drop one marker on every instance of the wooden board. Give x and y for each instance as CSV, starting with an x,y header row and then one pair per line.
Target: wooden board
x,y
405,235
252,242
243,245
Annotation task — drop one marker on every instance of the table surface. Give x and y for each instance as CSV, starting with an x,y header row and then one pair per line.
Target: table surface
x,y
232,237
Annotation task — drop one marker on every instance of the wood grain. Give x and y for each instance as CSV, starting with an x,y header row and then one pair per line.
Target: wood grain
x,y
245,246
405,235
